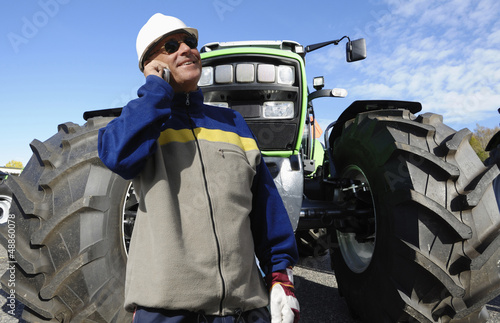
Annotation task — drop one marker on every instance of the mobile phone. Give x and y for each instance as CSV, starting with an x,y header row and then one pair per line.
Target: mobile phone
x,y
166,74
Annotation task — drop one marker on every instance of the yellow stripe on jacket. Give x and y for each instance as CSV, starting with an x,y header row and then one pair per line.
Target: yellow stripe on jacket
x,y
213,135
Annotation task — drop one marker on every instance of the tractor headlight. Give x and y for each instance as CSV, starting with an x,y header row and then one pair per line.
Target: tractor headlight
x,y
224,74
286,74
245,73
277,110
266,73
207,76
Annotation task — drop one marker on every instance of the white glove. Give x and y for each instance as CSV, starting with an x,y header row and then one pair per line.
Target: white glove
x,y
284,306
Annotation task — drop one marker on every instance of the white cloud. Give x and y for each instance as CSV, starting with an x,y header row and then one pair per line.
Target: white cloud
x,y
494,38
443,53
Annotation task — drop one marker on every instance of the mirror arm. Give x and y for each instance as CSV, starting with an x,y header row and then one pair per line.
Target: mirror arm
x,y
313,47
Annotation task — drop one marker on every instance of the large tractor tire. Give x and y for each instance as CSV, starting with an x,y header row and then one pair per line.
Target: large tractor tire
x,y
429,251
70,233
494,158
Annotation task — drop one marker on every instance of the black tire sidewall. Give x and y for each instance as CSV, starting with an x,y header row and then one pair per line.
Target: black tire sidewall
x,y
115,260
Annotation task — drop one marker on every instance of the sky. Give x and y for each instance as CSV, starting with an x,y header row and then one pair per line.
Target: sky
x,y
60,58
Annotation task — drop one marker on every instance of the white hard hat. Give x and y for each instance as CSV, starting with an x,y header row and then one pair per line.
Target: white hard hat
x,y
157,27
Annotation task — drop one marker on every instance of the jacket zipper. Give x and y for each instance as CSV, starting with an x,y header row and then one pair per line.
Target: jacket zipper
x,y
219,262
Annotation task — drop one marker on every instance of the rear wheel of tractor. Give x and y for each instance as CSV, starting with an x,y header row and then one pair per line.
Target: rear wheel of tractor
x,y
72,218
493,159
429,250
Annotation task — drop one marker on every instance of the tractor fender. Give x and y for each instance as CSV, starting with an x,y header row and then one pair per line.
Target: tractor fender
x,y
361,106
288,176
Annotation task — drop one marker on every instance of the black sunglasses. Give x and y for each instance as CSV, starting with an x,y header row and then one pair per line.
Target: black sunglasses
x,y
173,45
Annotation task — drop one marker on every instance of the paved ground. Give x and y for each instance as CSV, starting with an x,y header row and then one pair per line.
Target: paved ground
x,y
316,289
315,285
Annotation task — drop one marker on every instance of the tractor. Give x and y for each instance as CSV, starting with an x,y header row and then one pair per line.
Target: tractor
x,y
399,200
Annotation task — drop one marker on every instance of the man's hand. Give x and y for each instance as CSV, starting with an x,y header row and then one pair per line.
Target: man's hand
x,y
284,305
154,67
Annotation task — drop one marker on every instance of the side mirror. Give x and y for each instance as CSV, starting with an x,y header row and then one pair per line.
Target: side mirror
x,y
356,50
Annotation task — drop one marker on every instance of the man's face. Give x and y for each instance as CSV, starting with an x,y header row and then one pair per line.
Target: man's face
x,y
184,64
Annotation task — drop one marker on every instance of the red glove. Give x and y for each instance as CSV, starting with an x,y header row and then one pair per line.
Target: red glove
x,y
284,306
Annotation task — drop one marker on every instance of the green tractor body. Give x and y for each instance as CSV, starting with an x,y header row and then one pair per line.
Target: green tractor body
x,y
266,82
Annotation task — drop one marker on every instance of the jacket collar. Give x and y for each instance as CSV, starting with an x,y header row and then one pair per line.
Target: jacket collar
x,y
192,100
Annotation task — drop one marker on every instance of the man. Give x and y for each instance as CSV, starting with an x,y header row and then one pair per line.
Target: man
x,y
207,203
